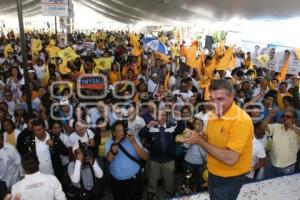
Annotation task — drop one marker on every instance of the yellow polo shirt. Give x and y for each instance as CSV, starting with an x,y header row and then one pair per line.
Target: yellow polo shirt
x,y
233,131
285,145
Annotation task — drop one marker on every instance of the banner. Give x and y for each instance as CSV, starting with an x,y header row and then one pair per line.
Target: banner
x,y
103,63
92,83
67,54
294,62
54,7
88,45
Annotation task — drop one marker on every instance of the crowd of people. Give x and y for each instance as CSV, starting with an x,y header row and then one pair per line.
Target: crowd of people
x,y
152,119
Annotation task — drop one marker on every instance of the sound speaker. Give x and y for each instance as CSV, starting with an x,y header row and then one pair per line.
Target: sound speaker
x,y
209,42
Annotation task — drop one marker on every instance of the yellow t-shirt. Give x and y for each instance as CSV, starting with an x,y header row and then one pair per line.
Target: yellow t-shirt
x,y
234,131
101,149
11,139
114,76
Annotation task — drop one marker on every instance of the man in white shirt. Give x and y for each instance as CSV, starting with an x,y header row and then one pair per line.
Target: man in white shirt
x,y
97,112
40,69
43,150
258,153
48,149
183,94
8,98
10,163
35,185
135,122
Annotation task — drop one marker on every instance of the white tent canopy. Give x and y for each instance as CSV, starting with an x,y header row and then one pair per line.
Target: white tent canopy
x,y
168,11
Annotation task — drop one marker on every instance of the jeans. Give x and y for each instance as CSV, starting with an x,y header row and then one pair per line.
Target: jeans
x,y
227,188
273,172
197,171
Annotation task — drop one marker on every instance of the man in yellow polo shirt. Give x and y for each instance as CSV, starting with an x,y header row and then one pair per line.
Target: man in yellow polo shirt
x,y
228,141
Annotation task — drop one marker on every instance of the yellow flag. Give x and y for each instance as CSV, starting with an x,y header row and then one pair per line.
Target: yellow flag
x,y
167,79
8,49
112,38
263,60
36,45
200,62
93,37
220,50
133,40
175,51
297,52
102,64
52,50
136,51
206,93
225,60
205,83
209,70
164,58
283,71
101,35
63,68
82,70
46,76
232,63
190,55
67,54
52,42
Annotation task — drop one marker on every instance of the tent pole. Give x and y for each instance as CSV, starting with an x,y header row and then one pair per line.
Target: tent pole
x,y
24,55
56,36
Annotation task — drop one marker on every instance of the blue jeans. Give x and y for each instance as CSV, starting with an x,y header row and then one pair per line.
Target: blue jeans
x,y
273,172
225,188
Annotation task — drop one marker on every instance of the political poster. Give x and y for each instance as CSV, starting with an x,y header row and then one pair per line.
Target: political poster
x,y
92,83
55,7
294,62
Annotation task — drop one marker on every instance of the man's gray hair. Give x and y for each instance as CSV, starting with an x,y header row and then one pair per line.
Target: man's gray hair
x,y
221,84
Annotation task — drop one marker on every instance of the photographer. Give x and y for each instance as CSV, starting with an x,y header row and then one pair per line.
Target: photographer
x,y
85,174
82,133
123,152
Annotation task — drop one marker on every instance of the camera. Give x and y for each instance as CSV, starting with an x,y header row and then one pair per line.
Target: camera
x,y
87,153
125,125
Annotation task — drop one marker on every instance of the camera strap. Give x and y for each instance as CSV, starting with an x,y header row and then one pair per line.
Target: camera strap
x,y
130,156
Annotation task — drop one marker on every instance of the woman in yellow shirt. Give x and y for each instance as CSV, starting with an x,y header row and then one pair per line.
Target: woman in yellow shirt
x,y
11,133
115,74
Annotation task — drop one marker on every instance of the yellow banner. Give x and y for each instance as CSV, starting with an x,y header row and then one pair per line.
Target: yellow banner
x,y
36,44
103,63
67,54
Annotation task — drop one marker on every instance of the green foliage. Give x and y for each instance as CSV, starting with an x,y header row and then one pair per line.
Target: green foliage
x,y
219,36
